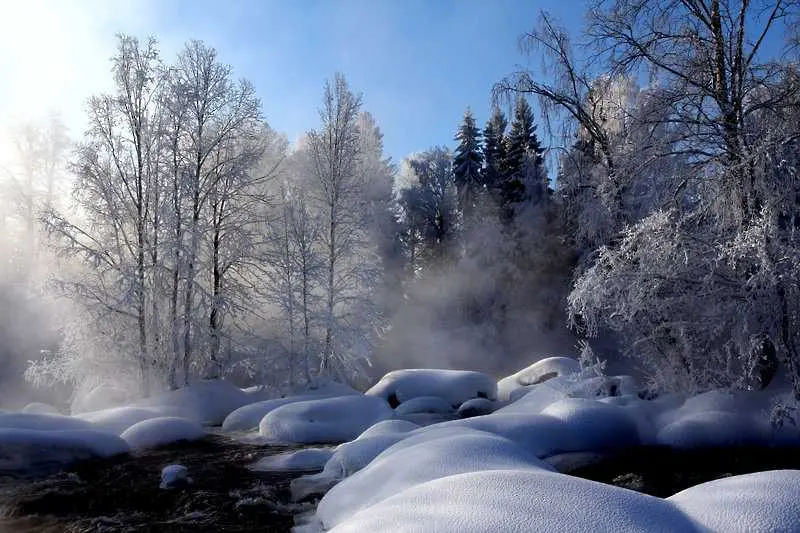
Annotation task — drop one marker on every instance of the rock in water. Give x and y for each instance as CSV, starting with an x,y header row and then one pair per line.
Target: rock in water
x,y
174,477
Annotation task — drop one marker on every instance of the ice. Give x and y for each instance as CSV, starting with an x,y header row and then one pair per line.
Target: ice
x,y
538,372
517,501
33,449
174,476
764,501
160,431
299,460
424,404
454,386
326,420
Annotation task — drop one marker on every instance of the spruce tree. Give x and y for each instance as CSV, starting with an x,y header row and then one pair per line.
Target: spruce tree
x,y
494,150
467,164
522,147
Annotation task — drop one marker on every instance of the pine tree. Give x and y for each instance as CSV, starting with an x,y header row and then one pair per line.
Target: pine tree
x,y
522,147
494,150
467,164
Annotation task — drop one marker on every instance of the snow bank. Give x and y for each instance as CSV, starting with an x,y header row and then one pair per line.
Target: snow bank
x,y
299,460
454,386
517,501
538,372
388,427
206,402
418,459
33,449
764,501
327,420
160,431
42,422
424,404
117,419
596,425
39,408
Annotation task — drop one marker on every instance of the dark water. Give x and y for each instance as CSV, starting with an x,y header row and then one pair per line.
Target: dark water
x,y
121,494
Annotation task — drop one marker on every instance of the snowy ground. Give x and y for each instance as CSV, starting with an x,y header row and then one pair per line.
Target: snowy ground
x,y
446,450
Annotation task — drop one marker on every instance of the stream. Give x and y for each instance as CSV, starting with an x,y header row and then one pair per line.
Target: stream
x,y
121,494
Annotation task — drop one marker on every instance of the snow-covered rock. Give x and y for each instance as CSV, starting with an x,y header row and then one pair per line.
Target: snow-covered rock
x,y
39,408
454,386
298,460
596,425
424,404
42,422
476,407
516,501
161,431
539,372
326,420
417,459
388,427
117,419
31,449
764,501
207,402
714,428
174,476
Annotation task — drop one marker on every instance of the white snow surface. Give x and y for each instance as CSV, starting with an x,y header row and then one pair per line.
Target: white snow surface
x,y
454,386
99,397
42,422
117,419
538,372
39,408
207,402
325,420
30,449
476,407
759,502
160,431
298,460
424,404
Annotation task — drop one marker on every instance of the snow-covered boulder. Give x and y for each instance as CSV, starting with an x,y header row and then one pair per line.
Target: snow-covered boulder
x,y
117,419
39,408
418,459
42,422
516,501
476,407
174,477
324,388
388,427
597,426
161,431
32,449
298,460
207,402
539,372
454,386
424,404
326,420
763,501
714,428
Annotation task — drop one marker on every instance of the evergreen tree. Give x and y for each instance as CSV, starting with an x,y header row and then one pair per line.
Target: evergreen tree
x,y
494,150
522,148
467,164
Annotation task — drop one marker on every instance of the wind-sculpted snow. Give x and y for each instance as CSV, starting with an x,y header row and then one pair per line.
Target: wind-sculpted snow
x,y
454,386
326,420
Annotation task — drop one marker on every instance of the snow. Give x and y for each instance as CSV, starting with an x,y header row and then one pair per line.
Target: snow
x,y
23,449
326,420
538,372
476,407
516,501
417,459
299,460
160,431
207,402
117,419
174,476
454,386
424,404
42,422
99,397
764,501
596,425
39,408
388,427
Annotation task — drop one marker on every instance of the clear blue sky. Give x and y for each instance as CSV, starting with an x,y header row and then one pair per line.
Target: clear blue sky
x,y
418,63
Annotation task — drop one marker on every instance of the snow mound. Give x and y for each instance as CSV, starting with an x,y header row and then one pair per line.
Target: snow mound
x,y
117,419
714,428
517,501
39,408
327,420
160,431
596,425
764,501
207,402
454,386
299,460
538,372
324,388
417,459
99,397
42,422
389,427
174,476
31,449
424,404
476,407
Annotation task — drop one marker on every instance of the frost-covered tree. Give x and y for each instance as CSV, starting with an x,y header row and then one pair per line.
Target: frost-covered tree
x,y
523,155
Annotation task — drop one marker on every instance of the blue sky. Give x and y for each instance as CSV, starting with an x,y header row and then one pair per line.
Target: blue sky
x,y
418,63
